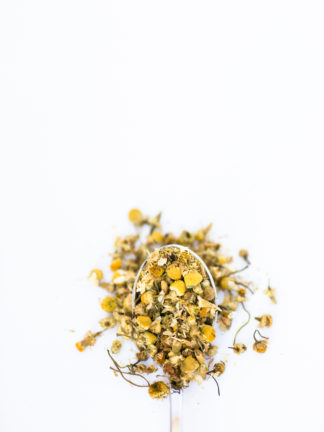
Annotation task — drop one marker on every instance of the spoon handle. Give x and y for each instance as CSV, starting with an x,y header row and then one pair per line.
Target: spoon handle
x,y
176,412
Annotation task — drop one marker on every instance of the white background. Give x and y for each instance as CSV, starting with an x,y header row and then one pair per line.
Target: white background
x,y
208,111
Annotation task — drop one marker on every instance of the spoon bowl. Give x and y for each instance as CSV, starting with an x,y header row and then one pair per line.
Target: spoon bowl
x,y
176,396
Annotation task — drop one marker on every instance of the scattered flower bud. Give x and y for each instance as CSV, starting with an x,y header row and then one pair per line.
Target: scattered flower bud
x,y
157,237
108,322
116,346
264,320
95,276
116,264
89,340
218,369
135,216
260,346
227,283
239,348
158,390
109,304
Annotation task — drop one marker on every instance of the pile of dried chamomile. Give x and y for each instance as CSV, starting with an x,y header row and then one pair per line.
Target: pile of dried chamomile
x,y
171,313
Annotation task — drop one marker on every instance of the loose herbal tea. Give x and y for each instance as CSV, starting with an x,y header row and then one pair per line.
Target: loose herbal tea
x,y
171,320
173,314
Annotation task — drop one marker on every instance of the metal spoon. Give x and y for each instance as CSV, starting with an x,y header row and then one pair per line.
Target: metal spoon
x,y
175,397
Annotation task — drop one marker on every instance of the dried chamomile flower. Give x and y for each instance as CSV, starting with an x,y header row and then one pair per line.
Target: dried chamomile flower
x,y
135,216
119,277
174,272
95,276
186,238
116,346
239,348
144,322
156,271
109,304
223,260
158,390
108,322
89,340
261,345
192,278
208,333
179,287
147,297
157,237
218,369
227,283
116,264
243,253
270,292
265,320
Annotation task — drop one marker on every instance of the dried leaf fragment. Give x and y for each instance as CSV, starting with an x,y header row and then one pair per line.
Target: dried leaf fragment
x,y
270,292
189,365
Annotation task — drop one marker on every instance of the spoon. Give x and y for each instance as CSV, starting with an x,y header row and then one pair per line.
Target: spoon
x,y
175,397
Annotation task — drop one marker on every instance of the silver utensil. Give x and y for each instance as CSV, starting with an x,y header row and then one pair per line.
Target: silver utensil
x,y
176,396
